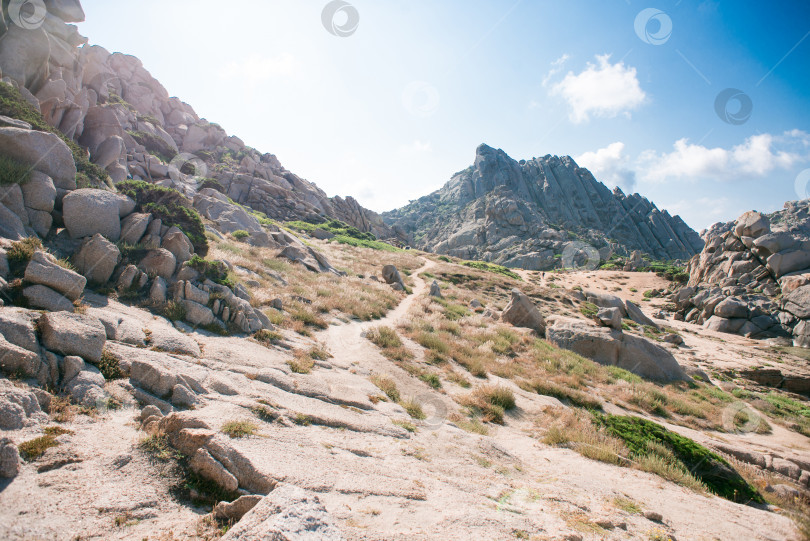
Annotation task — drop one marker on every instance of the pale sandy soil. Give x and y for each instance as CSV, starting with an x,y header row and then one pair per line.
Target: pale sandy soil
x,y
376,479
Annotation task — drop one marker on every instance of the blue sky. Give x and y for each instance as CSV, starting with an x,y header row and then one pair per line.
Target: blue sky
x,y
390,112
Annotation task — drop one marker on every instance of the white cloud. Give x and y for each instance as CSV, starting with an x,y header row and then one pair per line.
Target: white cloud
x,y
610,165
556,67
258,69
417,147
601,90
756,157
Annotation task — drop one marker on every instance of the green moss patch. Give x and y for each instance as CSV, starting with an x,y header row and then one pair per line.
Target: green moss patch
x,y
639,435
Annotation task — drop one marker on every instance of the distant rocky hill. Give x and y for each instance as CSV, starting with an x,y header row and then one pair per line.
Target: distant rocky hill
x,y
111,106
524,214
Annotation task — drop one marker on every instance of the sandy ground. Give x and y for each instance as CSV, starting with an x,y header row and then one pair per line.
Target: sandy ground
x,y
378,480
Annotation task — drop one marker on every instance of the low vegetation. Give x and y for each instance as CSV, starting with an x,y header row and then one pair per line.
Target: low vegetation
x,y
239,429
13,172
170,206
344,234
491,267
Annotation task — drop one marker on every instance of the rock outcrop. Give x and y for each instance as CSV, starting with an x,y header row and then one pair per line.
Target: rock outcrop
x,y
753,277
525,214
615,348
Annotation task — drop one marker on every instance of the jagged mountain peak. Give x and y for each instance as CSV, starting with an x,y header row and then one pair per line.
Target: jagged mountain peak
x,y
523,214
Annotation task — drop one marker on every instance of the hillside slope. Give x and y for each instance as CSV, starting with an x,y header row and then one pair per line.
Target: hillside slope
x,y
114,109
523,214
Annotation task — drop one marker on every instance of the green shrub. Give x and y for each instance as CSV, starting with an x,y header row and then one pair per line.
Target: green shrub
x,y
21,252
213,184
170,206
490,267
13,172
108,366
33,449
240,234
216,271
174,311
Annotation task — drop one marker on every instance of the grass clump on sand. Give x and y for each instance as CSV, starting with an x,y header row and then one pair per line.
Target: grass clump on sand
x,y
489,403
239,429
389,342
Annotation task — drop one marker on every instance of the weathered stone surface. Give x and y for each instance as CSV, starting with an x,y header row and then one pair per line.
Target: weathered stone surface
x,y
43,151
109,152
15,359
11,227
133,227
176,242
17,326
207,466
46,298
752,224
197,314
237,509
87,387
611,347
787,262
182,396
43,270
97,258
153,377
39,192
610,317
159,262
797,302
391,275
731,308
18,408
286,514
88,211
634,313
724,325
73,334
435,290
521,312
606,300
9,459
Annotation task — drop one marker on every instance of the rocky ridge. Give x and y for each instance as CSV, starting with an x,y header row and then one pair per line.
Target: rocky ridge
x,y
526,214
753,277
112,106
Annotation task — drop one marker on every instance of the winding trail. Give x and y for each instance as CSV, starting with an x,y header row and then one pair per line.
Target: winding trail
x,y
346,342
